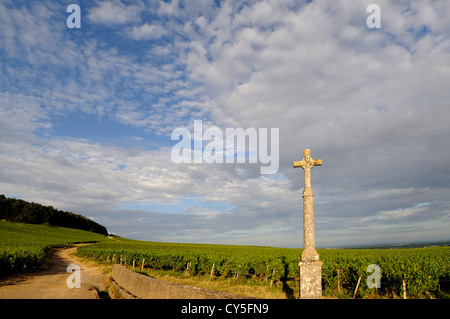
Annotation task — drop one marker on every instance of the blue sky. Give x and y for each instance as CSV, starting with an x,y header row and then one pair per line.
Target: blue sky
x,y
86,116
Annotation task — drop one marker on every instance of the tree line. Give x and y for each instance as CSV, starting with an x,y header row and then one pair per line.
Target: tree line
x,y
20,211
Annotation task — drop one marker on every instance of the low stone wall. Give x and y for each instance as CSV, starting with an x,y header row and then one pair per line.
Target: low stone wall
x,y
144,287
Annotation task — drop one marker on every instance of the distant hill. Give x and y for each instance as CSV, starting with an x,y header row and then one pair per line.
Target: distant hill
x,y
20,211
424,244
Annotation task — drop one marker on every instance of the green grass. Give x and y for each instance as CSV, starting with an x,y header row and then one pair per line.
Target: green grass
x,y
25,247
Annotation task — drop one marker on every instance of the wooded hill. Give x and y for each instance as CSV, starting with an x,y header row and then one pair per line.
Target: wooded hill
x,y
20,211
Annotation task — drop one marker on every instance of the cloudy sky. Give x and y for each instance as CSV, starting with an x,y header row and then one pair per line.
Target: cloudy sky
x,y
86,116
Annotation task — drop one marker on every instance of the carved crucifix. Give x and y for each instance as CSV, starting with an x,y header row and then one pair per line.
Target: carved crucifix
x,y
310,266
307,163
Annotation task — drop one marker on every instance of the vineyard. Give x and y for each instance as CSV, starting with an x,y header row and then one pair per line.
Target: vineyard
x,y
26,247
420,272
423,272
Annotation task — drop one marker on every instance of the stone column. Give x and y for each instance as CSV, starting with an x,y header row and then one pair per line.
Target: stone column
x,y
310,266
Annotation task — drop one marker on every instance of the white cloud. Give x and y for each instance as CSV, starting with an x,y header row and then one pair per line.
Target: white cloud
x,y
168,8
115,13
390,216
147,32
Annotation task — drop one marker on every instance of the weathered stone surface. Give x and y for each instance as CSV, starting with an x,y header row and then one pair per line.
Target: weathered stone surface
x,y
310,266
310,280
309,253
144,287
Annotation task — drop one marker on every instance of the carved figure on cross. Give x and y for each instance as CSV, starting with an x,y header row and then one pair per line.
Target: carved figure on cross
x,y
307,163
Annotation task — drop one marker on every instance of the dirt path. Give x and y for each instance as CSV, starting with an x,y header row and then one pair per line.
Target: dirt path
x,y
52,283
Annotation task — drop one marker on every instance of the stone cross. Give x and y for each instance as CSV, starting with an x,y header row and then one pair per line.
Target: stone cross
x,y
310,266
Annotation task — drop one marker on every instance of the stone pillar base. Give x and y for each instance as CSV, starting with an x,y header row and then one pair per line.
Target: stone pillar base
x,y
310,279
